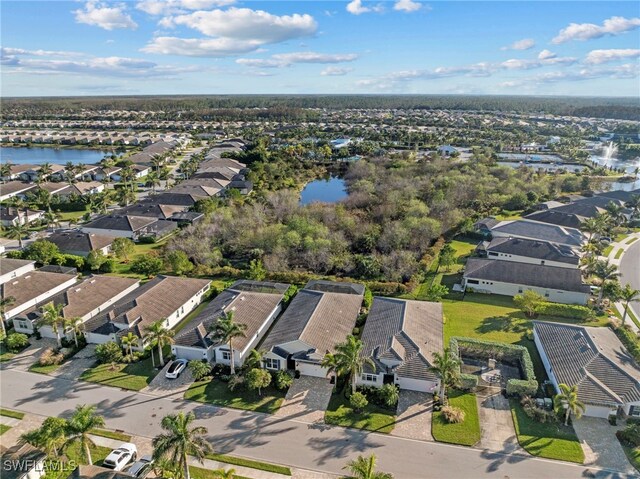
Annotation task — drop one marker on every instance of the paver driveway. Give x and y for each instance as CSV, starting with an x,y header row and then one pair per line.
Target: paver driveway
x,y
414,416
307,399
79,363
600,445
161,386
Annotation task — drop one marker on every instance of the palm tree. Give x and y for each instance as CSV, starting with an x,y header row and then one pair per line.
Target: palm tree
x,y
181,441
5,170
349,360
447,367
634,205
52,316
17,231
616,213
84,419
153,180
226,330
128,341
566,402
75,325
4,304
628,294
49,437
604,271
592,226
225,474
45,170
52,219
365,468
330,363
157,333
125,196
254,360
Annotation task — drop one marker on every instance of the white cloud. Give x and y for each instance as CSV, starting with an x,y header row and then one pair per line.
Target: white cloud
x,y
524,44
287,59
166,7
39,53
356,7
622,71
335,71
546,55
109,18
199,47
407,6
603,56
587,31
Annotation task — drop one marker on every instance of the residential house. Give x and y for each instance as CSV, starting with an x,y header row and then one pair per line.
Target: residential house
x,y
447,150
166,298
125,226
12,216
81,301
400,337
15,188
320,316
529,251
12,268
22,461
533,230
33,288
509,278
255,304
80,243
593,359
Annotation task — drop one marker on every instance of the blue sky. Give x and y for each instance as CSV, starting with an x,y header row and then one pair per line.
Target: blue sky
x,y
358,46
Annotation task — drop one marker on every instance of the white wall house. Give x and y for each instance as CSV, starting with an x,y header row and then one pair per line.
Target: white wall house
x,y
528,259
33,295
12,268
511,289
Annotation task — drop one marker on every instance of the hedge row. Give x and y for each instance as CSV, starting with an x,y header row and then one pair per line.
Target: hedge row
x,y
572,311
501,351
630,341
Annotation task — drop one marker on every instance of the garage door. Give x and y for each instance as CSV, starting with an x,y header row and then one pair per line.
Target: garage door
x,y
311,370
189,353
415,385
598,411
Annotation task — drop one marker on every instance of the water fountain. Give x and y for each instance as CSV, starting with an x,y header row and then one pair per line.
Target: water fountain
x,y
609,150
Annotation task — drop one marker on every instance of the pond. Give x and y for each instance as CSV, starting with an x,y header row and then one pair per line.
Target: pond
x,y
60,156
572,168
331,190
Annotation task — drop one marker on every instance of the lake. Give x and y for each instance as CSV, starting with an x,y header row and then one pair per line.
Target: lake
x,y
326,191
37,156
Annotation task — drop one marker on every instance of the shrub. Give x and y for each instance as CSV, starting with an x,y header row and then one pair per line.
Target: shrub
x,y
630,341
467,382
520,387
49,357
73,261
235,381
389,395
633,420
536,413
14,254
452,414
41,251
109,266
109,353
572,311
630,435
258,379
96,259
529,302
16,342
147,239
358,401
283,380
199,369
146,265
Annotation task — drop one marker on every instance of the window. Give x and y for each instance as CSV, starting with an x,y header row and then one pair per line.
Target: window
x,y
473,281
22,324
542,262
493,253
270,363
372,378
226,355
634,411
519,290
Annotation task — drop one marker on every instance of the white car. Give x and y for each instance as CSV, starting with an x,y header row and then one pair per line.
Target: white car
x,y
176,368
119,458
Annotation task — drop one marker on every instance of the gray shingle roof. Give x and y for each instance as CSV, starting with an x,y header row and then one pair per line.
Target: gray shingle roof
x,y
7,265
406,331
542,250
557,218
540,231
593,359
318,316
31,285
75,240
620,195
120,222
551,277
251,302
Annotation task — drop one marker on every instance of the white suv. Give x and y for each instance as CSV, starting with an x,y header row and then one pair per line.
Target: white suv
x,y
119,458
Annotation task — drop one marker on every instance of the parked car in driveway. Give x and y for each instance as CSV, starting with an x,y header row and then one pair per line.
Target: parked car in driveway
x,y
176,368
120,457
141,468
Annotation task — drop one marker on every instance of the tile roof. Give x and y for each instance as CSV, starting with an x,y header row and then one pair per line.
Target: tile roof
x,y
120,222
542,250
405,331
593,359
319,317
251,302
75,240
551,277
13,187
150,209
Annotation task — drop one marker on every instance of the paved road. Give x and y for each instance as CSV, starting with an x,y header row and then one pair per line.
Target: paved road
x,y
284,441
630,271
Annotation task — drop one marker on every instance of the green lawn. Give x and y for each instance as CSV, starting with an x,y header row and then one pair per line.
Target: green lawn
x,y
632,240
239,461
36,368
4,428
118,436
607,250
9,413
74,456
5,354
633,454
71,215
372,418
619,253
466,433
135,376
200,473
217,392
187,319
124,268
549,440
463,249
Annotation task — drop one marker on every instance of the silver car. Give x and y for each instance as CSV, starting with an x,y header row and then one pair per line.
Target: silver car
x,y
176,368
141,468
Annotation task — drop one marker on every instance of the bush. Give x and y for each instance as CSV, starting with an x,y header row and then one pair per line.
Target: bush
x,y
235,381
109,266
73,261
467,382
521,387
146,265
14,254
50,357
630,435
258,379
630,341
389,395
283,380
41,251
147,240
358,401
536,413
452,414
633,420
199,369
16,342
109,353
571,311
133,358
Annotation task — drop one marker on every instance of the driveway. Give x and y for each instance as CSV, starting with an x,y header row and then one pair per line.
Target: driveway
x,y
79,363
413,420
26,358
306,400
600,445
496,424
161,386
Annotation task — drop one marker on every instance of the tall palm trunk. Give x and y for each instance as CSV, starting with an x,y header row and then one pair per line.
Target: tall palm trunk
x,y
186,467
75,338
58,337
353,382
87,450
160,353
566,417
233,365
